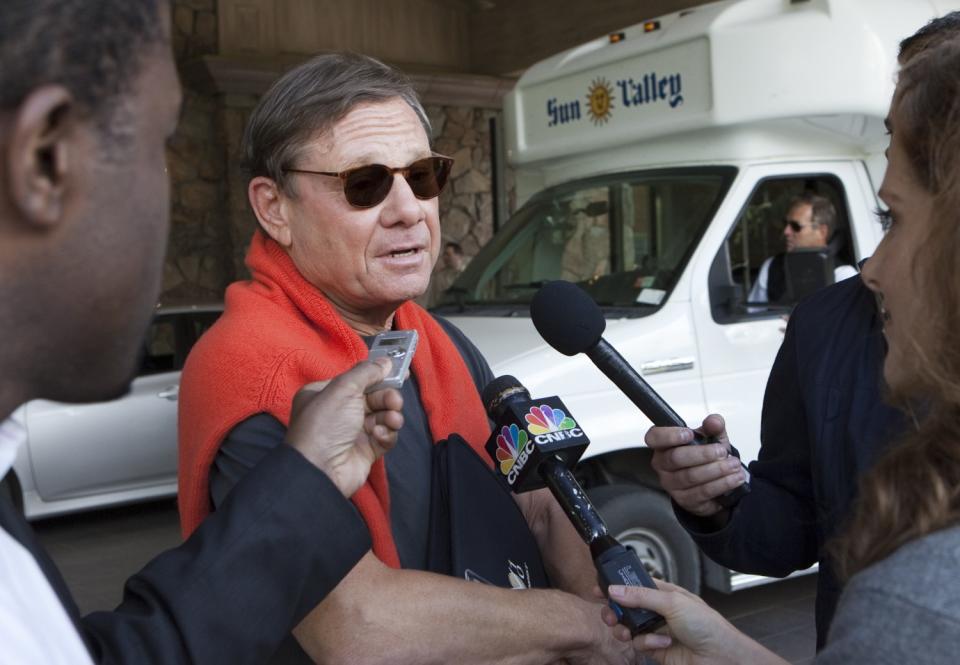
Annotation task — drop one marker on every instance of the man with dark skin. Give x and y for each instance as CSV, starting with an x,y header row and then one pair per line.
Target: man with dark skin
x,y
88,96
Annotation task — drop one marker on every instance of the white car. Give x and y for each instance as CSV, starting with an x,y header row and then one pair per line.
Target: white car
x,y
83,456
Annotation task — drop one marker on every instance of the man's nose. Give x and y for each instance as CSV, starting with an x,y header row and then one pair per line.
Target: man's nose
x,y
401,206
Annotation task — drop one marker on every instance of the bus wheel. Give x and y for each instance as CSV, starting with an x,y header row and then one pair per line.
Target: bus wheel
x,y
643,520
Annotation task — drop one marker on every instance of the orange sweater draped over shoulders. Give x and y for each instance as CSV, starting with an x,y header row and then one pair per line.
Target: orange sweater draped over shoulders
x,y
278,333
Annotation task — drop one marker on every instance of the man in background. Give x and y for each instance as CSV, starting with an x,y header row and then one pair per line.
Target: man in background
x,y
811,223
452,262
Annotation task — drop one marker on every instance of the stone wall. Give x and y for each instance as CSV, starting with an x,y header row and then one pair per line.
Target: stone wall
x,y
197,267
466,206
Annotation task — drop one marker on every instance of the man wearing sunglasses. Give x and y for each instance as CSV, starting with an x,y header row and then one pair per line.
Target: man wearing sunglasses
x,y
810,223
345,188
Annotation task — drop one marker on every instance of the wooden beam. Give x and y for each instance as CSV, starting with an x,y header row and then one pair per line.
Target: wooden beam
x,y
507,36
252,76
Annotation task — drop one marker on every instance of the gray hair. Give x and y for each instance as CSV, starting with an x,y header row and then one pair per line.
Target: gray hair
x,y
309,100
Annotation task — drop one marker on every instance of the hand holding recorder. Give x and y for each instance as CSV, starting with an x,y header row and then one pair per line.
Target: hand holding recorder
x,y
341,428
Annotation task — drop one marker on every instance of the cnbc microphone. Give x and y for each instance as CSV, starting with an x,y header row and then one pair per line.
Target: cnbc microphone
x,y
577,327
534,444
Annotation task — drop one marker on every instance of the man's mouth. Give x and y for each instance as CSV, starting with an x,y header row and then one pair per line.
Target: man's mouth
x,y
398,253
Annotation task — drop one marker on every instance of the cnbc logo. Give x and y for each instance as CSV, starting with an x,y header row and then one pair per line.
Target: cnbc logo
x,y
514,448
545,425
549,425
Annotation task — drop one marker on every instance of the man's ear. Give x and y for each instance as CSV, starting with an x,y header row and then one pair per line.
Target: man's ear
x,y
269,205
39,153
824,232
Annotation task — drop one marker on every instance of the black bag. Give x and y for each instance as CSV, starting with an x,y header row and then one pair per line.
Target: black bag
x,y
477,531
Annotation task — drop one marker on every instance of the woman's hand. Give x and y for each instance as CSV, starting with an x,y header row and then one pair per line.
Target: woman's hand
x,y
696,634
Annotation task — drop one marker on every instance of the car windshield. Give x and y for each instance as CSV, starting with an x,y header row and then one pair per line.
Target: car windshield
x,y
624,238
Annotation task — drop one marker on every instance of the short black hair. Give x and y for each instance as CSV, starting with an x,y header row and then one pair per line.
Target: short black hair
x,y
934,32
91,47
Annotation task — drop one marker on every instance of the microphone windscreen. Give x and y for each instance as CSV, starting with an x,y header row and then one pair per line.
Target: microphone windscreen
x,y
567,318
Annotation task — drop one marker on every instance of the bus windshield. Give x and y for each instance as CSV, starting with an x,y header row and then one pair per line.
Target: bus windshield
x,y
624,238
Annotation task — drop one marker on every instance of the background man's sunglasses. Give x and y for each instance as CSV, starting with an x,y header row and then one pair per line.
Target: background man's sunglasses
x,y
367,186
796,227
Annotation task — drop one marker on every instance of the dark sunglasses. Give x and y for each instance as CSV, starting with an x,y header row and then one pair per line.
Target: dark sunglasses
x,y
367,186
796,227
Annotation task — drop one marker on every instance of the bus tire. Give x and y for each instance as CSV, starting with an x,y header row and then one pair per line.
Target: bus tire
x,y
643,520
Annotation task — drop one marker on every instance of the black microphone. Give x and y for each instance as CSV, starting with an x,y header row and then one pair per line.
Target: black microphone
x,y
578,327
534,444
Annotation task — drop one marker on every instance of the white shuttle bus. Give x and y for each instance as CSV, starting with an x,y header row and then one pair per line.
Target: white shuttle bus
x,y
654,167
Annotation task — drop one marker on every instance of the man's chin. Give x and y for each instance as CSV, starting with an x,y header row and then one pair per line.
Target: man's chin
x,y
103,386
409,289
89,394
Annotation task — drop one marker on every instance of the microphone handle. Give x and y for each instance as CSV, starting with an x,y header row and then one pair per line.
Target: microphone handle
x,y
618,370
571,497
615,563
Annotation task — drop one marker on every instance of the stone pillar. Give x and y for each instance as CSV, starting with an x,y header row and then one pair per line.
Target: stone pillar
x,y
239,220
466,206
198,258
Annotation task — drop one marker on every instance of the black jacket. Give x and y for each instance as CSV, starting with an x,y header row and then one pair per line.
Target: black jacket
x,y
231,593
824,424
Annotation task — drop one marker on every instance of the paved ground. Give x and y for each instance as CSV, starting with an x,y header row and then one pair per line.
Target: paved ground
x,y
778,615
97,551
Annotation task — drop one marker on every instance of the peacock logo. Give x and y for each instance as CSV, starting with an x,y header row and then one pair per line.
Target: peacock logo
x,y
511,442
544,419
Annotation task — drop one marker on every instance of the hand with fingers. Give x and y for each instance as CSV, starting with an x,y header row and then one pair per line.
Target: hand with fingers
x,y
695,475
695,634
343,431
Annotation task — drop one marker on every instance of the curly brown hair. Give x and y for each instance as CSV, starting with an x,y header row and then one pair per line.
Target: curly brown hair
x,y
914,489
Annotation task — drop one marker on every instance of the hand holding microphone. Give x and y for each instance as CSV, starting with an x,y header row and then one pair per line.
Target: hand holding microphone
x,y
695,476
535,443
578,327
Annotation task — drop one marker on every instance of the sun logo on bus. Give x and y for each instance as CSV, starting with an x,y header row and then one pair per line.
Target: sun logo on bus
x,y
599,101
